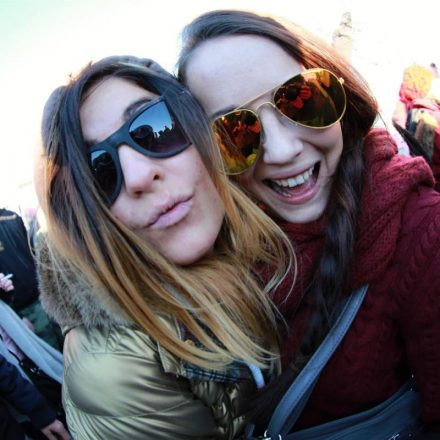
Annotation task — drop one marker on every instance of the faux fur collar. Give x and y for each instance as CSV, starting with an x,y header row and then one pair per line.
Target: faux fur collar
x,y
71,300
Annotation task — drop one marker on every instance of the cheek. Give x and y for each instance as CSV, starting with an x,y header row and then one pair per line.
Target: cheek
x,y
199,172
197,175
211,202
121,211
335,136
329,144
334,144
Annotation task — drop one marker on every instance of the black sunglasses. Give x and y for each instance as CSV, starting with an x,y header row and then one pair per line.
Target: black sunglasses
x,y
153,131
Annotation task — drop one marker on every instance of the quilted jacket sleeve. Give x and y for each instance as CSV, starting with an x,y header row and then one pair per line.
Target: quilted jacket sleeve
x,y
115,388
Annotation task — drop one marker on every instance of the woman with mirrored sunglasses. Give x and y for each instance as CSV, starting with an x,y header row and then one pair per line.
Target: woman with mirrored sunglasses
x,y
148,261
357,213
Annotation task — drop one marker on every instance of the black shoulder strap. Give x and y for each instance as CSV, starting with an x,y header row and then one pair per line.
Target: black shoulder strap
x,y
294,400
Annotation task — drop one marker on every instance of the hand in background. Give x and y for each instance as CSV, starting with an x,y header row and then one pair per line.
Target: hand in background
x,y
56,431
6,284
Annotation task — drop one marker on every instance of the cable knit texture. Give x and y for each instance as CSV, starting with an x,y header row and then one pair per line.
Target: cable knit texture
x,y
397,329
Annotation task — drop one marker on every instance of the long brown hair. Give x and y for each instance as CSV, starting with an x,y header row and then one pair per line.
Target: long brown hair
x,y
218,299
327,283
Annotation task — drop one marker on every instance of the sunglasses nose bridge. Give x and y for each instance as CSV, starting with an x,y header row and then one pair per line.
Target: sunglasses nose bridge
x,y
277,111
124,139
258,109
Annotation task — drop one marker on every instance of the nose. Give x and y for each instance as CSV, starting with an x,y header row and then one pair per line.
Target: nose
x,y
281,139
140,172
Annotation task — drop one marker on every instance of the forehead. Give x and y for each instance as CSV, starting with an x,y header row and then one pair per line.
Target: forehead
x,y
232,70
102,111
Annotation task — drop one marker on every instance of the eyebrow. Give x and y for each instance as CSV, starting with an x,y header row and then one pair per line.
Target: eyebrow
x,y
231,108
128,113
134,107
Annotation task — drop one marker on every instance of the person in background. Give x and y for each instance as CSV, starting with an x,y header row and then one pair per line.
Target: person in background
x,y
40,364
416,83
16,259
17,262
24,397
150,261
417,114
357,212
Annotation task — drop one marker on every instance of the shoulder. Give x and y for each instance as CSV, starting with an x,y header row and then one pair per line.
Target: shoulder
x,y
418,286
11,219
421,213
112,361
115,386
5,215
419,245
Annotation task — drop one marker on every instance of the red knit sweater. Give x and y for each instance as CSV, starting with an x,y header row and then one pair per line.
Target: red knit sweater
x,y
397,329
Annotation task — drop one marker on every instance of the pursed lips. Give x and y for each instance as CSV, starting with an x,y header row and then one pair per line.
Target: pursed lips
x,y
164,208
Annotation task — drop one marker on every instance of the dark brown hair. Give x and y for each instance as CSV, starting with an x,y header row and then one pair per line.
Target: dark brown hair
x,y
328,280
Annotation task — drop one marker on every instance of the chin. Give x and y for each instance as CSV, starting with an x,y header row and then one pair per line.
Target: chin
x,y
186,260
302,215
195,254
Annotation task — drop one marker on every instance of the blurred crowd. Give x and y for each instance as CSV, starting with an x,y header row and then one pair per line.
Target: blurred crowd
x,y
31,343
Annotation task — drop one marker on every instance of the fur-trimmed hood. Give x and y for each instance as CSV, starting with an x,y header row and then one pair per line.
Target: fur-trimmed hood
x,y
70,299
125,376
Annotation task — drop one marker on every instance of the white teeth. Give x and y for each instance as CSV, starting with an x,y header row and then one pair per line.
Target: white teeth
x,y
291,182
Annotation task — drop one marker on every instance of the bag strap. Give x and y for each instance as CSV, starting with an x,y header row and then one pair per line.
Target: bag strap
x,y
292,403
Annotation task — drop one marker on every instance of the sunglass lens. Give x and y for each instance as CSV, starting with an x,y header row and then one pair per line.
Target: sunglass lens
x,y
105,173
238,135
315,99
157,131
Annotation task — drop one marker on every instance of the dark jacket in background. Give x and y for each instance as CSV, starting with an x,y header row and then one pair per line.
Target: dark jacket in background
x,y
24,397
16,258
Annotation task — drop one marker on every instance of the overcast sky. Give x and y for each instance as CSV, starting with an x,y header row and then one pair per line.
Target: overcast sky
x,y
42,41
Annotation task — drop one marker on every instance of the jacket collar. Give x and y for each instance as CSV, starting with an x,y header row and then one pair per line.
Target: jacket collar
x,y
72,301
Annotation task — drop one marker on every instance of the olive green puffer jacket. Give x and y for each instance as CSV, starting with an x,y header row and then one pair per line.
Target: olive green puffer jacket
x,y
119,384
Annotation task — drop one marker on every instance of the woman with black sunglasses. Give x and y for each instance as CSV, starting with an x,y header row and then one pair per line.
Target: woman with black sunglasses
x,y
357,213
148,260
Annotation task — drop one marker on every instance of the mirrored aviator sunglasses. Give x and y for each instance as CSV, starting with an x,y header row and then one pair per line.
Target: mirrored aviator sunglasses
x,y
314,98
153,131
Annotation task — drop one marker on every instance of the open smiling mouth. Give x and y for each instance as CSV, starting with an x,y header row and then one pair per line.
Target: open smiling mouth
x,y
295,185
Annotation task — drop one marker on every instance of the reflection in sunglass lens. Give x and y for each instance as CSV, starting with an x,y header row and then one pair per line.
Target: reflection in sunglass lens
x,y
156,130
315,99
104,171
238,135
